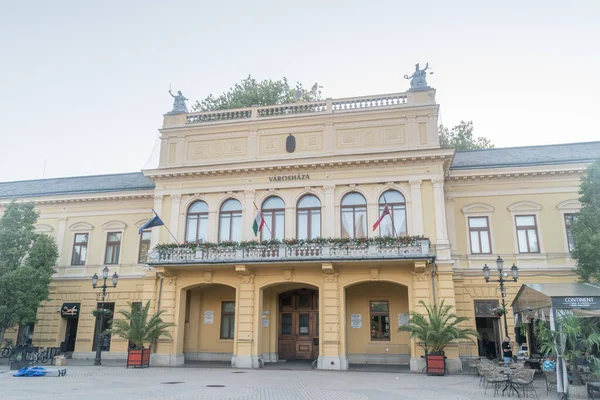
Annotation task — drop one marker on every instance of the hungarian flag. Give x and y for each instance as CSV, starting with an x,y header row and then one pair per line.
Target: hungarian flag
x,y
259,222
386,211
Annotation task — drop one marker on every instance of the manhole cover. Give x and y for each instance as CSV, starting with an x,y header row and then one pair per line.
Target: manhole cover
x,y
215,385
238,372
170,383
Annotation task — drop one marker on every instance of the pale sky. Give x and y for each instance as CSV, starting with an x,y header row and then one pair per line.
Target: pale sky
x,y
83,84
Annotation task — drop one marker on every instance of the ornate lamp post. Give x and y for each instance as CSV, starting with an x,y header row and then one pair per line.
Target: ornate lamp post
x,y
115,279
501,279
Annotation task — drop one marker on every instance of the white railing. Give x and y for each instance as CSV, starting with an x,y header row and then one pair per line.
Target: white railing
x,y
296,252
328,106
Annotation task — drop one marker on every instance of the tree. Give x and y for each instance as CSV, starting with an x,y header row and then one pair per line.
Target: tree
x,y
138,329
461,137
586,227
576,339
249,92
436,330
27,262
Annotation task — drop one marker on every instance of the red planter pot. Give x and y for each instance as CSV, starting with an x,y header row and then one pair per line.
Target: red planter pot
x,y
436,364
138,358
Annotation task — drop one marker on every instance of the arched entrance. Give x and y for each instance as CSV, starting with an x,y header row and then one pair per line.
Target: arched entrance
x,y
209,323
374,311
298,324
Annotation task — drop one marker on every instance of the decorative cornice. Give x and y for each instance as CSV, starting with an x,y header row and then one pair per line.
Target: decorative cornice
x,y
499,175
86,199
217,170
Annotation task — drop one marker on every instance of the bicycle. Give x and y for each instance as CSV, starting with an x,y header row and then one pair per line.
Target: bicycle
x,y
7,350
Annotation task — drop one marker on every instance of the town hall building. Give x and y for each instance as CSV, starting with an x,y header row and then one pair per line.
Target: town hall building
x,y
363,216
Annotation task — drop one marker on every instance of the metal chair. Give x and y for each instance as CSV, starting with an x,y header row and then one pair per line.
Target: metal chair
x,y
495,379
550,377
524,380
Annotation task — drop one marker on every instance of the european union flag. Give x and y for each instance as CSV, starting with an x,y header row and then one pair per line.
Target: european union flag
x,y
154,221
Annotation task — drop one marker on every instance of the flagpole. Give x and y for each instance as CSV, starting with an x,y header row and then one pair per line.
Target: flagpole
x,y
391,217
168,230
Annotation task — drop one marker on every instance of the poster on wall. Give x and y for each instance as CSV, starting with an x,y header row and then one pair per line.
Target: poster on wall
x,y
209,317
265,323
403,319
356,321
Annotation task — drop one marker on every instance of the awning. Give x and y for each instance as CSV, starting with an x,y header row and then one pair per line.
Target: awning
x,y
542,296
70,310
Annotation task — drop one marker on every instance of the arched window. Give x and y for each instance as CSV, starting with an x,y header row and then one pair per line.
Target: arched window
x,y
395,223
230,221
196,229
308,221
273,211
354,216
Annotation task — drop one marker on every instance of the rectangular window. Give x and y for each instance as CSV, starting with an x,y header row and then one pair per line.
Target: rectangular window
x,y
479,234
380,320
527,234
569,219
113,248
79,249
145,238
227,319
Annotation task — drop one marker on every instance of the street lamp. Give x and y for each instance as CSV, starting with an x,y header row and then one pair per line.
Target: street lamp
x,y
115,280
501,279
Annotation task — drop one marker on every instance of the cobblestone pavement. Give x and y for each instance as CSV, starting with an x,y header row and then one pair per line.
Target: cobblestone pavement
x,y
116,383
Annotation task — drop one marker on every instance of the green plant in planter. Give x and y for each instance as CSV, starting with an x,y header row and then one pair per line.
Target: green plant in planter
x,y
438,328
139,327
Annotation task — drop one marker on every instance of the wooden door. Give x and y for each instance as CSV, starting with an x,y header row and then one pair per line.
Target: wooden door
x,y
298,325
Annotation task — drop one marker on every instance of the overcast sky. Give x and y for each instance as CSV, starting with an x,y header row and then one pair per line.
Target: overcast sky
x,y
83,84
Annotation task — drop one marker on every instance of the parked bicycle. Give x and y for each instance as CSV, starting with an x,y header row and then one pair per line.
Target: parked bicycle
x,y
7,350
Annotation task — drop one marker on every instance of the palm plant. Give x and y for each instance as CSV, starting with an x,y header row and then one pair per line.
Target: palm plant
x,y
138,328
576,339
438,328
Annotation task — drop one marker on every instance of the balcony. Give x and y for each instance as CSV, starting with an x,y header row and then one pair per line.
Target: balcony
x,y
261,253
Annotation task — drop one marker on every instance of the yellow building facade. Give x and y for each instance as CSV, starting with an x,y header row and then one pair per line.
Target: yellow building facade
x,y
322,174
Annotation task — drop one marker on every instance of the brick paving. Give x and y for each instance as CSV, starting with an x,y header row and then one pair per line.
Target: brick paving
x,y
117,383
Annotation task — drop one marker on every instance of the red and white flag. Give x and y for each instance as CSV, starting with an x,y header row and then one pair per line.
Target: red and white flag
x,y
386,211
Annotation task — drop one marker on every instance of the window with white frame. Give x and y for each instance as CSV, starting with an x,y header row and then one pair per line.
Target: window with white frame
x,y
479,235
527,234
569,219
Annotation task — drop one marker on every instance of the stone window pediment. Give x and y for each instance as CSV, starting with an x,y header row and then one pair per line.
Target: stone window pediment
x,y
114,225
569,205
81,227
44,228
477,208
524,206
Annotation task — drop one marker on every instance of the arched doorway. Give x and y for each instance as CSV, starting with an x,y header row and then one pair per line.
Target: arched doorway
x,y
298,324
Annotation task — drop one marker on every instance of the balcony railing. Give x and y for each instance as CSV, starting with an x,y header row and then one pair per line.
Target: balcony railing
x,y
295,252
328,106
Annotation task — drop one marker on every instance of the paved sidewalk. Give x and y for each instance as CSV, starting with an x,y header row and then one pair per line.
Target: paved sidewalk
x,y
118,383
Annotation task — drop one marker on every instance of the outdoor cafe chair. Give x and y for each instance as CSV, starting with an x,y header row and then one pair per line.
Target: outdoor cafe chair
x,y
494,379
550,377
524,380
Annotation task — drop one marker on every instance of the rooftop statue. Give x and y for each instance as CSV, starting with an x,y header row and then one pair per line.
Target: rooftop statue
x,y
418,79
179,106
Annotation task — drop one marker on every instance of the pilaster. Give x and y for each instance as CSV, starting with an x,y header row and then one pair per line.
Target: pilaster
x,y
169,352
332,310
248,215
154,239
60,239
328,227
174,222
417,207
442,244
244,349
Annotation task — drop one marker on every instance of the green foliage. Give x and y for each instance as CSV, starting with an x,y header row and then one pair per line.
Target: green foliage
x,y
438,328
336,242
27,262
576,338
461,137
586,227
250,92
139,327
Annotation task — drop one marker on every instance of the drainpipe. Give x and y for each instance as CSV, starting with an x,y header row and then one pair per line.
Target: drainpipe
x,y
433,266
160,286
